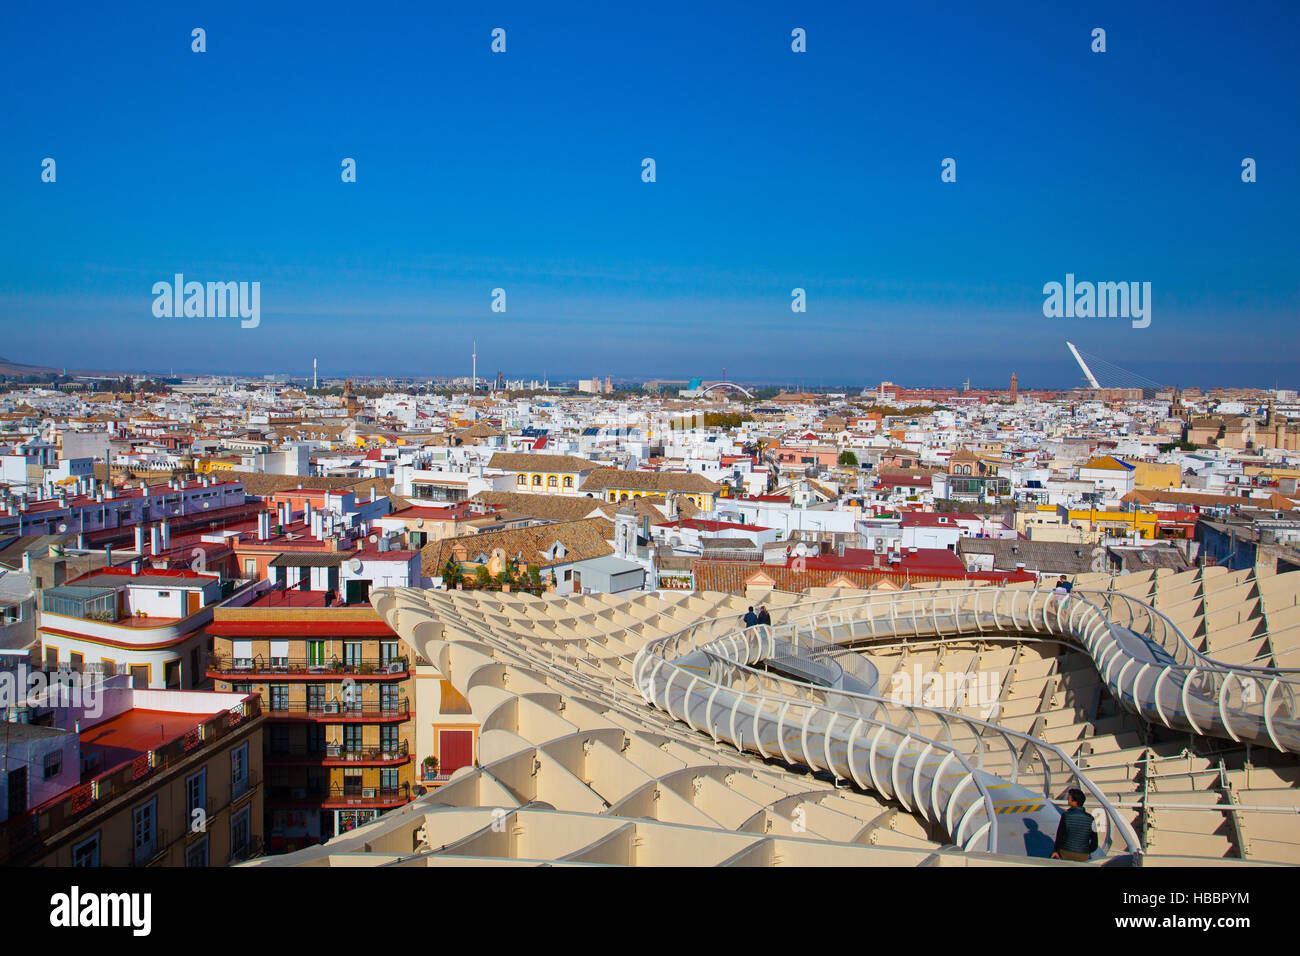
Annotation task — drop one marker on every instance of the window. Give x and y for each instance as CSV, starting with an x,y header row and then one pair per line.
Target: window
x,y
279,696
145,833
353,652
239,771
388,702
164,594
242,652
316,653
196,795
568,482
53,764
239,834
86,853
280,654
196,854
250,567
279,734
388,779
315,697
388,742
388,652
352,738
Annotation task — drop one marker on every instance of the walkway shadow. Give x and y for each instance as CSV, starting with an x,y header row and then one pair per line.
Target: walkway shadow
x,y
1037,843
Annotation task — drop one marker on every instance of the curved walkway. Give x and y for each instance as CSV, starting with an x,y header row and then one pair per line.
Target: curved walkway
x,y
795,691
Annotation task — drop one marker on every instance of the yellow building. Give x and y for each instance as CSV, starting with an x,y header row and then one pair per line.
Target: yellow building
x,y
1161,475
1097,523
545,474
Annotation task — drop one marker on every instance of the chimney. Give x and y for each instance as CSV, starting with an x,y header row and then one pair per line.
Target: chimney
x,y
372,492
108,555
27,561
154,538
139,539
166,536
135,565
263,525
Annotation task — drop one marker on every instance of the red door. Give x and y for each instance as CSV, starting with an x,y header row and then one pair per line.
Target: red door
x,y
455,750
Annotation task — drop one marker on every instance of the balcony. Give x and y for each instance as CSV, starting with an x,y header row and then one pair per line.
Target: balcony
x,y
251,848
28,835
227,668
337,798
335,712
151,852
338,755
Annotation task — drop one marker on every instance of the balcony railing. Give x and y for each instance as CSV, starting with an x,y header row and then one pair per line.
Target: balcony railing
x,y
252,847
224,665
153,851
346,796
381,754
28,834
333,710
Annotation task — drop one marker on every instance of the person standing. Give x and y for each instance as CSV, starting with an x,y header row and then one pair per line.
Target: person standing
x,y
763,616
1076,835
750,618
1062,591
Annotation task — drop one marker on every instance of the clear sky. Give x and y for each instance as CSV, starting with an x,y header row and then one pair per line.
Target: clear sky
x,y
775,170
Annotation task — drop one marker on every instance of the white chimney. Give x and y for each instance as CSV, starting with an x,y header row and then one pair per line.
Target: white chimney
x,y
154,537
139,539
166,536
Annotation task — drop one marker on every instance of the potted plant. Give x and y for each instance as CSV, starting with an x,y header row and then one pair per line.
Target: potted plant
x,y
430,766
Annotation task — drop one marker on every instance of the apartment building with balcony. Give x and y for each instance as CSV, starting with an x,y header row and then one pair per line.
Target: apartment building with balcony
x,y
141,778
147,622
337,687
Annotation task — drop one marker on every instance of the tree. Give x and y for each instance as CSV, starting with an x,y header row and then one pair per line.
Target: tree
x,y
482,577
848,459
451,573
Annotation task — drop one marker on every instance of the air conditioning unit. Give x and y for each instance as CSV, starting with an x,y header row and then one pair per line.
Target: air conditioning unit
x,y
331,750
332,707
396,667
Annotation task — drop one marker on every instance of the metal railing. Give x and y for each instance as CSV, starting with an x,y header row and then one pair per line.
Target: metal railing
x,y
331,710
943,764
399,751
244,667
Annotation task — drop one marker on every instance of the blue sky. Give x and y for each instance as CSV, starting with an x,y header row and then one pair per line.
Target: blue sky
x,y
775,170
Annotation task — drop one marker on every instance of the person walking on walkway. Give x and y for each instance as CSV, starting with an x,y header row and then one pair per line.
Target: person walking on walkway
x,y
750,618
1076,836
1062,591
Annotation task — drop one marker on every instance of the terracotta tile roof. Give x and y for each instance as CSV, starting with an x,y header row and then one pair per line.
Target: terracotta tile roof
x,y
556,464
550,507
588,538
616,479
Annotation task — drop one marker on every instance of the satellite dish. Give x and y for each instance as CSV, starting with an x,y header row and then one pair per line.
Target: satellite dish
x,y
355,565
419,522
63,528
374,539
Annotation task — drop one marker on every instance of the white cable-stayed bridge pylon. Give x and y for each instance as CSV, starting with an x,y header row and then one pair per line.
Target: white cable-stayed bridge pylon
x,y
1103,374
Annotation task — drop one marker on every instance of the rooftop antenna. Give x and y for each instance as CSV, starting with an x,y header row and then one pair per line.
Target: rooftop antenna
x,y
473,379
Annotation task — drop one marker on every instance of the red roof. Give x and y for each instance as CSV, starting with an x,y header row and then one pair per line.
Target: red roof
x,y
137,731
